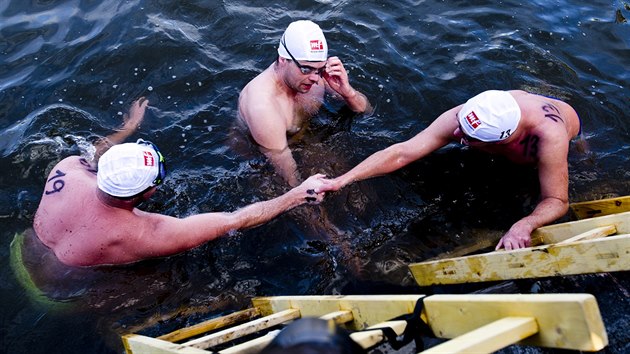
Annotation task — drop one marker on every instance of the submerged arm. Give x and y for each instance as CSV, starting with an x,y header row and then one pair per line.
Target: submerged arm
x,y
131,123
284,164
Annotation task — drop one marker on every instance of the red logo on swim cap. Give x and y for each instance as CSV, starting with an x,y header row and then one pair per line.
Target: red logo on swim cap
x,y
473,120
316,44
148,159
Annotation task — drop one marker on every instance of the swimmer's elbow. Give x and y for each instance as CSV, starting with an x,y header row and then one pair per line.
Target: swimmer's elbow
x,y
398,156
564,205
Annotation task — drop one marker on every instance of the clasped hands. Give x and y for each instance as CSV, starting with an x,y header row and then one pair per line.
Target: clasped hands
x,y
315,187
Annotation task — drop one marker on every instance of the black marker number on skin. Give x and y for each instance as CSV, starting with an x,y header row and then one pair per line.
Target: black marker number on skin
x,y
58,184
85,163
550,109
530,146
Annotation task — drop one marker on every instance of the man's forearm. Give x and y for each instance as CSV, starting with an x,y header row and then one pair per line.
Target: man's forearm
x,y
261,212
377,164
519,235
547,211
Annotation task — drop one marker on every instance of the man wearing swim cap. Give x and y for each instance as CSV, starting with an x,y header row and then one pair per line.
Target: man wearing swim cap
x,y
280,100
87,216
524,127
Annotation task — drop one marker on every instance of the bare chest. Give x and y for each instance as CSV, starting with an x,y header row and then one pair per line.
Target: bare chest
x,y
300,110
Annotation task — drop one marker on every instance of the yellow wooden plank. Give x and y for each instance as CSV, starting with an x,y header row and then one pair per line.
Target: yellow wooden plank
x,y
244,329
253,346
567,321
137,344
465,250
489,338
560,232
210,325
608,254
338,317
589,209
597,232
366,310
368,339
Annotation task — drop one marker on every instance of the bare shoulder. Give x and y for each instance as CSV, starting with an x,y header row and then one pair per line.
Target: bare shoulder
x,y
75,162
516,93
71,163
257,90
550,114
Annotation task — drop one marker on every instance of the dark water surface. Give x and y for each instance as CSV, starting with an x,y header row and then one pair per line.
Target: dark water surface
x,y
70,69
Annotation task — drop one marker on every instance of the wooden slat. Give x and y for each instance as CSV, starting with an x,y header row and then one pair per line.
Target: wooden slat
x,y
244,329
594,208
253,346
608,254
489,338
464,250
368,339
366,310
567,321
339,317
137,344
597,232
560,232
210,325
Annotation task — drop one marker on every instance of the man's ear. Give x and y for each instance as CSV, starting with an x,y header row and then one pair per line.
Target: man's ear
x,y
148,193
282,60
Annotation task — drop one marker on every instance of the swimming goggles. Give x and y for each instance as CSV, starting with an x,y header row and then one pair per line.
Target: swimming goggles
x,y
304,69
161,162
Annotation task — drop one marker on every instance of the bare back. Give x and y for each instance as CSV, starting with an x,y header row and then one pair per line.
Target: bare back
x,y
75,224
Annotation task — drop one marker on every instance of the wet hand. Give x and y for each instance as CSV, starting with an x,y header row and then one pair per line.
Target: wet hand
x,y
519,236
328,185
311,189
337,77
136,113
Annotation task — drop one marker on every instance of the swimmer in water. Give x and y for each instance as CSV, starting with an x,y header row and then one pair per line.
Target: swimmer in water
x,y
524,127
87,214
279,101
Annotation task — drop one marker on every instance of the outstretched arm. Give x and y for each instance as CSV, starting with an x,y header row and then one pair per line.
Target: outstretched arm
x,y
336,77
131,122
169,235
438,134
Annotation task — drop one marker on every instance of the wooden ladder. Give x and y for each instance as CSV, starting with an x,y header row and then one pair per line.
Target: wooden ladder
x,y
576,247
478,323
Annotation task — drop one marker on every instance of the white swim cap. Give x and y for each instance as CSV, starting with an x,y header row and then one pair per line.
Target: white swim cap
x,y
490,116
305,40
128,169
